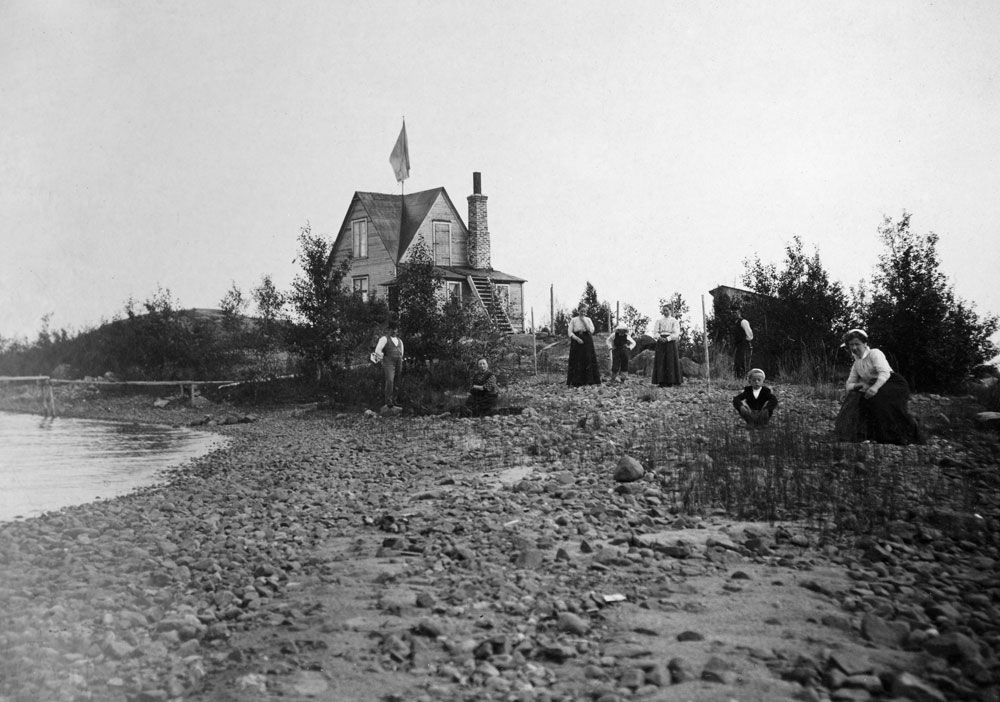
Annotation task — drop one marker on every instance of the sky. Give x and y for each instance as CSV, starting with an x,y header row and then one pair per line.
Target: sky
x,y
647,147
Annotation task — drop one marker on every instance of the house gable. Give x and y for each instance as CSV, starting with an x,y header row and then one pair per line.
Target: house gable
x,y
440,209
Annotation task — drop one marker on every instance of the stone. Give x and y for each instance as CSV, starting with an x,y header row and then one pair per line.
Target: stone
x,y
851,663
988,420
690,369
119,649
717,670
628,470
871,683
531,559
954,647
642,363
884,633
633,678
913,688
680,671
850,694
573,623
690,636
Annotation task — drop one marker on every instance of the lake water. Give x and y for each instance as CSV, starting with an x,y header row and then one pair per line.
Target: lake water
x,y
48,464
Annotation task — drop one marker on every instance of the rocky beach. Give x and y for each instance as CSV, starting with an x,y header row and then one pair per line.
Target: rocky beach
x,y
572,551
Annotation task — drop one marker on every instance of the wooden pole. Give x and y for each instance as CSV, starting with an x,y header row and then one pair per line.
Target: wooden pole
x,y
704,338
552,310
534,342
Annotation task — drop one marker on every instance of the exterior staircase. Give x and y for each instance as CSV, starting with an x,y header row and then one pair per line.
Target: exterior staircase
x,y
483,288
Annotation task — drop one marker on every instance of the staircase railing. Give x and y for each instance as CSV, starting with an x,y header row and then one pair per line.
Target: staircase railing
x,y
496,312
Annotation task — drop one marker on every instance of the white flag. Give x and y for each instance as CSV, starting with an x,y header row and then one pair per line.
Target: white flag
x,y
400,157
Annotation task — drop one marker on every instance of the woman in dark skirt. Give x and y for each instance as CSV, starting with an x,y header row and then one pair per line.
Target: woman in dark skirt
x,y
876,407
583,369
483,392
667,362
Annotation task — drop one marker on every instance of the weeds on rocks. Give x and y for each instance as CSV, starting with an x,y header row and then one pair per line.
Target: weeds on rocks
x,y
791,471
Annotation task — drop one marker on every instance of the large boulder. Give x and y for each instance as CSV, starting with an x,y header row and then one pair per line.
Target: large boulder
x,y
643,343
690,369
628,470
523,341
642,364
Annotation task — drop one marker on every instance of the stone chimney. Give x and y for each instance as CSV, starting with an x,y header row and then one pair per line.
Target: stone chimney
x,y
479,233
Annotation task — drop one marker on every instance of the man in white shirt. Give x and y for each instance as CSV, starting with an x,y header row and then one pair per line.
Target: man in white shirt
x,y
389,351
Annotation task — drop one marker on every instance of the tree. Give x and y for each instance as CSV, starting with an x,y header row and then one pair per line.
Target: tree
x,y
599,312
233,305
420,289
935,337
317,298
433,325
560,325
634,320
798,313
271,329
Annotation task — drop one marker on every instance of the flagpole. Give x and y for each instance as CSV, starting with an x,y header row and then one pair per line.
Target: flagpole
x,y
402,197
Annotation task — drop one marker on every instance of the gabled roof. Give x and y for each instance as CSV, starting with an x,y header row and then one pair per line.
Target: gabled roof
x,y
733,292
396,218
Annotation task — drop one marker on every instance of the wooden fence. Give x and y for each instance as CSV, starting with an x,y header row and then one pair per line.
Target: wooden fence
x,y
46,382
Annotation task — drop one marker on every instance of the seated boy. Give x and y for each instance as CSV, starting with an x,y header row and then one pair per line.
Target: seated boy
x,y
756,403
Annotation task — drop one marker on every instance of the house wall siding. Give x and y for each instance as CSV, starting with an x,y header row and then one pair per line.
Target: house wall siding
x,y
442,212
517,306
378,266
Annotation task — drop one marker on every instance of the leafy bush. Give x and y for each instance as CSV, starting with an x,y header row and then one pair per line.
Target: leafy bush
x,y
798,313
936,338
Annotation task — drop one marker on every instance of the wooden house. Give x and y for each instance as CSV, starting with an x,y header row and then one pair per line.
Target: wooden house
x,y
379,229
734,296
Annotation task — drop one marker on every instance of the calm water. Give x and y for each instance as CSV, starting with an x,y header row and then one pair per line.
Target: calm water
x,y
48,464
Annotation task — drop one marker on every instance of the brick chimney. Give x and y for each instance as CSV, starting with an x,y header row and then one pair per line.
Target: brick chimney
x,y
479,233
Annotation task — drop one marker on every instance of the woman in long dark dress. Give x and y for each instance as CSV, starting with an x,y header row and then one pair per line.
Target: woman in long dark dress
x,y
667,361
583,368
878,396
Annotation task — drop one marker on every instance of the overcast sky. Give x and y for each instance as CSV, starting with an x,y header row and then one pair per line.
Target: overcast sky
x,y
648,147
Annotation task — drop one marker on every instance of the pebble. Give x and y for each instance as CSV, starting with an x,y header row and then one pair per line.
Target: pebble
x,y
506,584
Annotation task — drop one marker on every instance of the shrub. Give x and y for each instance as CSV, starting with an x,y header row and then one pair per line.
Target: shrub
x,y
937,338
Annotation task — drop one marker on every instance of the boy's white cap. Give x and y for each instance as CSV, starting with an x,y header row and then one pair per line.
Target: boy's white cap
x,y
621,327
757,370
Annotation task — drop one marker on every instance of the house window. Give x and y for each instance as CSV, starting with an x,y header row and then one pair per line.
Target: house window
x,y
359,230
361,286
454,290
442,243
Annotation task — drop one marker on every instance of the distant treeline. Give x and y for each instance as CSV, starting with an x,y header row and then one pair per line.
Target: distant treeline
x,y
798,314
316,326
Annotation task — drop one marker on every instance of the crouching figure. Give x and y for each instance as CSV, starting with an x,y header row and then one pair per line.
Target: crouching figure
x,y
756,403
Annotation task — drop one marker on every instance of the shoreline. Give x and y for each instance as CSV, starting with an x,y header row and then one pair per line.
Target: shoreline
x,y
51,463
325,554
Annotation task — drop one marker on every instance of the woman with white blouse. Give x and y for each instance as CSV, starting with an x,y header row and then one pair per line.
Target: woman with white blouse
x,y
667,361
583,369
878,394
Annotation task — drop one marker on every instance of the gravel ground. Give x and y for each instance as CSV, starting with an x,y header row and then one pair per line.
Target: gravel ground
x,y
350,557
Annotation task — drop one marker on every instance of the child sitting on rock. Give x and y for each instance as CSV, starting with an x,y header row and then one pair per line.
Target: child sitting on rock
x,y
756,403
